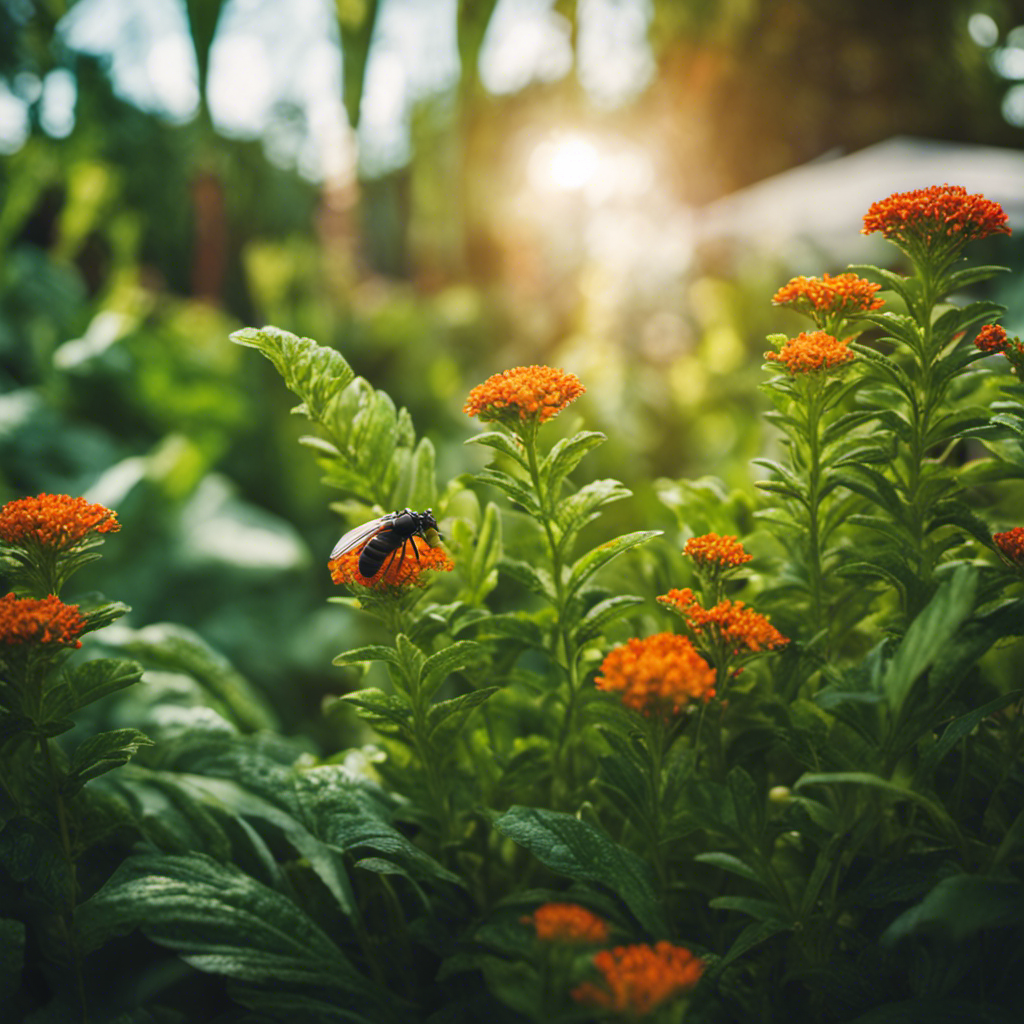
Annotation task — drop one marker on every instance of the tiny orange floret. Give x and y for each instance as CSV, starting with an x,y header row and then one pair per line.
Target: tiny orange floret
x,y
1011,544
657,675
636,980
711,551
395,572
524,392
991,338
569,924
811,352
941,213
841,294
45,622
738,625
54,521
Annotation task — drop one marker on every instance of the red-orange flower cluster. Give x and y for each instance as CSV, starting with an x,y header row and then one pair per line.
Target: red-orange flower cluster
x,y
524,392
940,214
991,338
395,572
833,296
713,552
568,923
638,979
54,521
48,621
657,675
1011,544
732,622
810,352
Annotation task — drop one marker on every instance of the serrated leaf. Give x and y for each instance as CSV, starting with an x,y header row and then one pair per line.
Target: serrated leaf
x,y
571,847
102,753
89,682
585,566
222,921
315,373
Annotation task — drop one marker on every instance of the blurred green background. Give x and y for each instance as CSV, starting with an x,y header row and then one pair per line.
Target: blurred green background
x,y
441,189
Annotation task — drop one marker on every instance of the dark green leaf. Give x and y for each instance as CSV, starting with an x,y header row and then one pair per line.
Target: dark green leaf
x,y
502,442
515,490
441,714
601,614
103,753
453,658
571,847
90,682
382,710
565,456
536,580
595,559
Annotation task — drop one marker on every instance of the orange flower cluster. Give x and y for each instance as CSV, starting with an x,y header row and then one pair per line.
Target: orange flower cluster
x,y
942,213
1011,544
568,923
991,338
836,296
713,552
26,620
54,521
730,621
395,572
808,353
638,979
524,392
659,674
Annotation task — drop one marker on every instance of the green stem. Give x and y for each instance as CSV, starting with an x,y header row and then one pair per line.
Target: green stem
x,y
656,744
565,639
68,916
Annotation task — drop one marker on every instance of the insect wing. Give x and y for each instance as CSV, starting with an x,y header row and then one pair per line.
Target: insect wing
x,y
360,535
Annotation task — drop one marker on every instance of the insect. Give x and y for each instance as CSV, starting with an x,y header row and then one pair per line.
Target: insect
x,y
384,538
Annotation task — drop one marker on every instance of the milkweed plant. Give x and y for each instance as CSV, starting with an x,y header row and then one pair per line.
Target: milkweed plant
x,y
788,788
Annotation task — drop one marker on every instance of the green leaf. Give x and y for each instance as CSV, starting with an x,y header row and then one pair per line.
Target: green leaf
x,y
411,661
371,652
960,318
972,275
936,810
956,730
488,549
571,847
887,367
536,580
102,753
958,908
222,921
762,910
578,509
751,936
169,645
514,626
789,484
450,715
97,616
942,617
384,711
565,456
421,490
315,373
89,682
515,490
604,612
598,557
356,23
729,862
502,442
452,658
